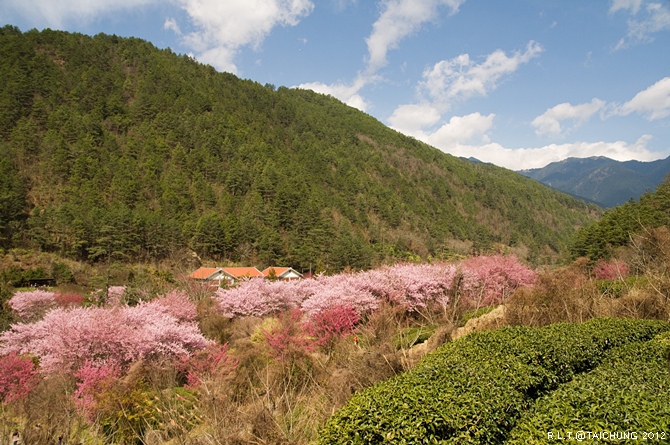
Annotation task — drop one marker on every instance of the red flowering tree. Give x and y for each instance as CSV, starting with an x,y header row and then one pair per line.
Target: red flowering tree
x,y
287,337
68,300
326,326
18,376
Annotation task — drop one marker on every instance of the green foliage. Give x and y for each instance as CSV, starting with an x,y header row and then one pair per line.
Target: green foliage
x,y
129,152
126,410
628,392
16,277
62,273
13,202
618,225
475,389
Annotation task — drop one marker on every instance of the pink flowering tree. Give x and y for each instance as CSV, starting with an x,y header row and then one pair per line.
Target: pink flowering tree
x,y
424,285
611,270
488,280
18,376
65,339
110,296
339,290
93,379
416,287
33,304
177,304
257,297
213,361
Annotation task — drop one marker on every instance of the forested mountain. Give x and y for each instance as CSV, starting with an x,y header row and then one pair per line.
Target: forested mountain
x,y
111,149
619,225
607,182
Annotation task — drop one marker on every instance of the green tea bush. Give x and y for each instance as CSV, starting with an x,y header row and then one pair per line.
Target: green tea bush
x,y
473,390
626,394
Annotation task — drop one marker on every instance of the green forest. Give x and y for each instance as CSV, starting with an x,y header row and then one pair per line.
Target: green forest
x,y
622,225
114,150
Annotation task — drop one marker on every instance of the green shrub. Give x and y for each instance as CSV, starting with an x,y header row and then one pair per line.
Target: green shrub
x,y
474,389
628,392
62,273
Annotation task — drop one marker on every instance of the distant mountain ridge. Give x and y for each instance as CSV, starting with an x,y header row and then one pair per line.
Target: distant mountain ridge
x,y
602,180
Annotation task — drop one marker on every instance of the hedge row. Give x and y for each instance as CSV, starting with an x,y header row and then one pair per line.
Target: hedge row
x,y
626,396
474,390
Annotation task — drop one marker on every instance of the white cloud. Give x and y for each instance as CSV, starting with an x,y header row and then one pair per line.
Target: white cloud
x,y
462,78
461,130
171,25
55,14
399,19
632,5
457,79
655,18
222,27
654,102
536,157
549,122
411,118
346,93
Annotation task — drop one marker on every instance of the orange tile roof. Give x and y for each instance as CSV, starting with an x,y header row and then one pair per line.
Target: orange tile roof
x,y
204,272
278,270
239,272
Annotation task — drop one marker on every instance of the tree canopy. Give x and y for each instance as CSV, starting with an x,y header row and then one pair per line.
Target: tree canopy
x,y
113,149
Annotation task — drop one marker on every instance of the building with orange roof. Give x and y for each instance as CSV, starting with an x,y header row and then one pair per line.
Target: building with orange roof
x,y
206,274
282,273
221,275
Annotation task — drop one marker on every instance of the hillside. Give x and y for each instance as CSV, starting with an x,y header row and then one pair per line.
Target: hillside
x,y
606,182
114,150
618,226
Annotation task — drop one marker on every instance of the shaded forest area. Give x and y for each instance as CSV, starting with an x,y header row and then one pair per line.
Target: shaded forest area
x,y
113,150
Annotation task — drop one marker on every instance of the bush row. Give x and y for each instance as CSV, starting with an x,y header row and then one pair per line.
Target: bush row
x,y
626,396
474,390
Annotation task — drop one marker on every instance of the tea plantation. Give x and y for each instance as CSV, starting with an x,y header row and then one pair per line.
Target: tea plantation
x,y
516,384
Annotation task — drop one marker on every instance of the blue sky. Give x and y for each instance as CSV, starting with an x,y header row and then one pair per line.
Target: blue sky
x,y
519,83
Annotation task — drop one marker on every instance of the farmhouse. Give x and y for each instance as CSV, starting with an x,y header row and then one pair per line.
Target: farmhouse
x,y
282,273
230,275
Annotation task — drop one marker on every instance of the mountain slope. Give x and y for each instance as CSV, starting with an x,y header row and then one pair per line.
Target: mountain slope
x,y
602,180
116,150
618,226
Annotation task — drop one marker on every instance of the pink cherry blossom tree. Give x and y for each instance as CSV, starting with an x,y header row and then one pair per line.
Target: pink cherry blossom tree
x,y
92,379
488,280
65,339
33,304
